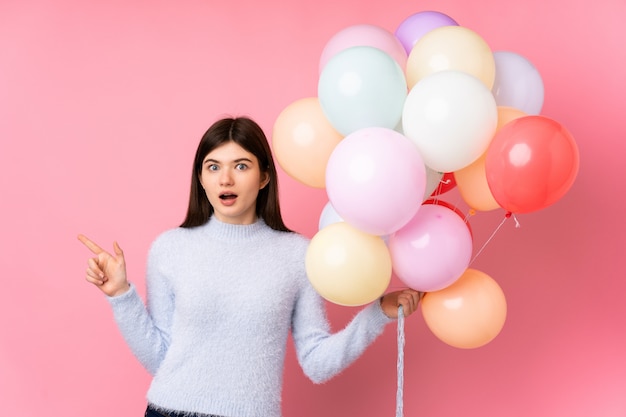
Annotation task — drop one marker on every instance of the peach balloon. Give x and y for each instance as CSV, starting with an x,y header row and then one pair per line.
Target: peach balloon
x,y
451,48
471,181
467,314
347,266
303,140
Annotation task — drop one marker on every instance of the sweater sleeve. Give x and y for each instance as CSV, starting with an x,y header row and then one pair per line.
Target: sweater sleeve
x,y
322,354
146,330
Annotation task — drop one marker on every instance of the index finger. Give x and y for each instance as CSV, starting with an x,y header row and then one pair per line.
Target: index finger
x,y
90,245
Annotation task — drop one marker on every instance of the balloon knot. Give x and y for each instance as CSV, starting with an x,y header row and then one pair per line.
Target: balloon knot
x,y
508,214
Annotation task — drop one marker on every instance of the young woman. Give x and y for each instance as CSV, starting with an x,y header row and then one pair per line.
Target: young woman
x,y
225,288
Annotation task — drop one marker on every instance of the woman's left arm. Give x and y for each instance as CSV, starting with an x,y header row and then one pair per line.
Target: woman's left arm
x,y
323,354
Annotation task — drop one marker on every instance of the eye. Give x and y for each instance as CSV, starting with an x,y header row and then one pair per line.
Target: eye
x,y
241,166
212,167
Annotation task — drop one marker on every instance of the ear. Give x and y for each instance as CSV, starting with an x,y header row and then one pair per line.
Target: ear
x,y
265,179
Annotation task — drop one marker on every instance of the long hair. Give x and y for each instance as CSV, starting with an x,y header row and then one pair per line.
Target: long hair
x,y
248,134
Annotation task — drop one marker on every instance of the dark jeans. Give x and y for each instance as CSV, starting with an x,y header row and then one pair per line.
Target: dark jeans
x,y
152,412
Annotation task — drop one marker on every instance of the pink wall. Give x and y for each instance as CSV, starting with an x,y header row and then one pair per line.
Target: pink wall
x,y
101,107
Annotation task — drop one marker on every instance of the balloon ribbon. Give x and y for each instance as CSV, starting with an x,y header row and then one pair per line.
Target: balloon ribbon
x,y
399,393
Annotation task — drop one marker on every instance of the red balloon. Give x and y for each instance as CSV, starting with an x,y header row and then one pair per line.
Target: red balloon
x,y
531,163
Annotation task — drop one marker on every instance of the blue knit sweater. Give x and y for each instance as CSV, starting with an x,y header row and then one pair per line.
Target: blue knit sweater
x,y
221,300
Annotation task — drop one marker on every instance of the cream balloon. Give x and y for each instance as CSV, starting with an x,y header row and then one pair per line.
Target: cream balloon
x,y
347,266
455,48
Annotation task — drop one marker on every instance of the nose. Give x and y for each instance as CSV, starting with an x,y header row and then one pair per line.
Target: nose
x,y
226,177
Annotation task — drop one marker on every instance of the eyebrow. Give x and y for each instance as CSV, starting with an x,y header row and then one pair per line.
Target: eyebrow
x,y
236,161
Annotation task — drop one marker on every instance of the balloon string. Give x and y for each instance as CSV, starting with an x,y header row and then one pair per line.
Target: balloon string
x,y
401,341
400,392
492,235
517,225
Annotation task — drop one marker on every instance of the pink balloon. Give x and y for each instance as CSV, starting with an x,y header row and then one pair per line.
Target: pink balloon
x,y
431,251
364,35
417,25
375,180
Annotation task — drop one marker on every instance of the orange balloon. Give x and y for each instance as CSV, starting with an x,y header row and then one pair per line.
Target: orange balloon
x,y
467,314
303,140
472,180
347,266
454,48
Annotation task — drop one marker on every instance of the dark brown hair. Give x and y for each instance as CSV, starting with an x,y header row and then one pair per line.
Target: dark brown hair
x,y
248,134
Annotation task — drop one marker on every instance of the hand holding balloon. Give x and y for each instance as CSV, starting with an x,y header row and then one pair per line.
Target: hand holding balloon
x,y
409,300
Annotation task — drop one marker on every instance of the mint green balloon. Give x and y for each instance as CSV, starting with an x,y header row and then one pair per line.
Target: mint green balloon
x,y
362,87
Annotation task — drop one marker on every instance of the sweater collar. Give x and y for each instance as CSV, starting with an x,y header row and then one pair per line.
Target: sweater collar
x,y
236,232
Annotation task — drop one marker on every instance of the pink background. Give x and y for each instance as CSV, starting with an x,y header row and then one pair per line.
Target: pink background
x,y
101,107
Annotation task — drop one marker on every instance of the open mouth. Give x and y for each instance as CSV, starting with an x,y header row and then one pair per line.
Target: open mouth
x,y
228,196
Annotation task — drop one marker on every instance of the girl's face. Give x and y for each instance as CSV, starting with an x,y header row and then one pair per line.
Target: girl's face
x,y
232,178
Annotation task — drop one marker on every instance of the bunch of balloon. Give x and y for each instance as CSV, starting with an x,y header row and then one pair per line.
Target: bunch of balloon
x,y
400,117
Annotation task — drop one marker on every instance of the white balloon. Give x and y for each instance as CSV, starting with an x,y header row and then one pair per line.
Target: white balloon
x,y
451,116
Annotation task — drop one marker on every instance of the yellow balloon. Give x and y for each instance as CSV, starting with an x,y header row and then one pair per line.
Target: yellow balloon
x,y
303,140
347,266
467,314
454,48
471,181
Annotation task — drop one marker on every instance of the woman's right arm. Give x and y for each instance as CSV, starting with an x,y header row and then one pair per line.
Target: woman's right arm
x,y
145,330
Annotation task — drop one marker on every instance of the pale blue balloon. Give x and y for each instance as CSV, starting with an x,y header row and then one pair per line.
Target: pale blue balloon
x,y
329,216
518,84
362,87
